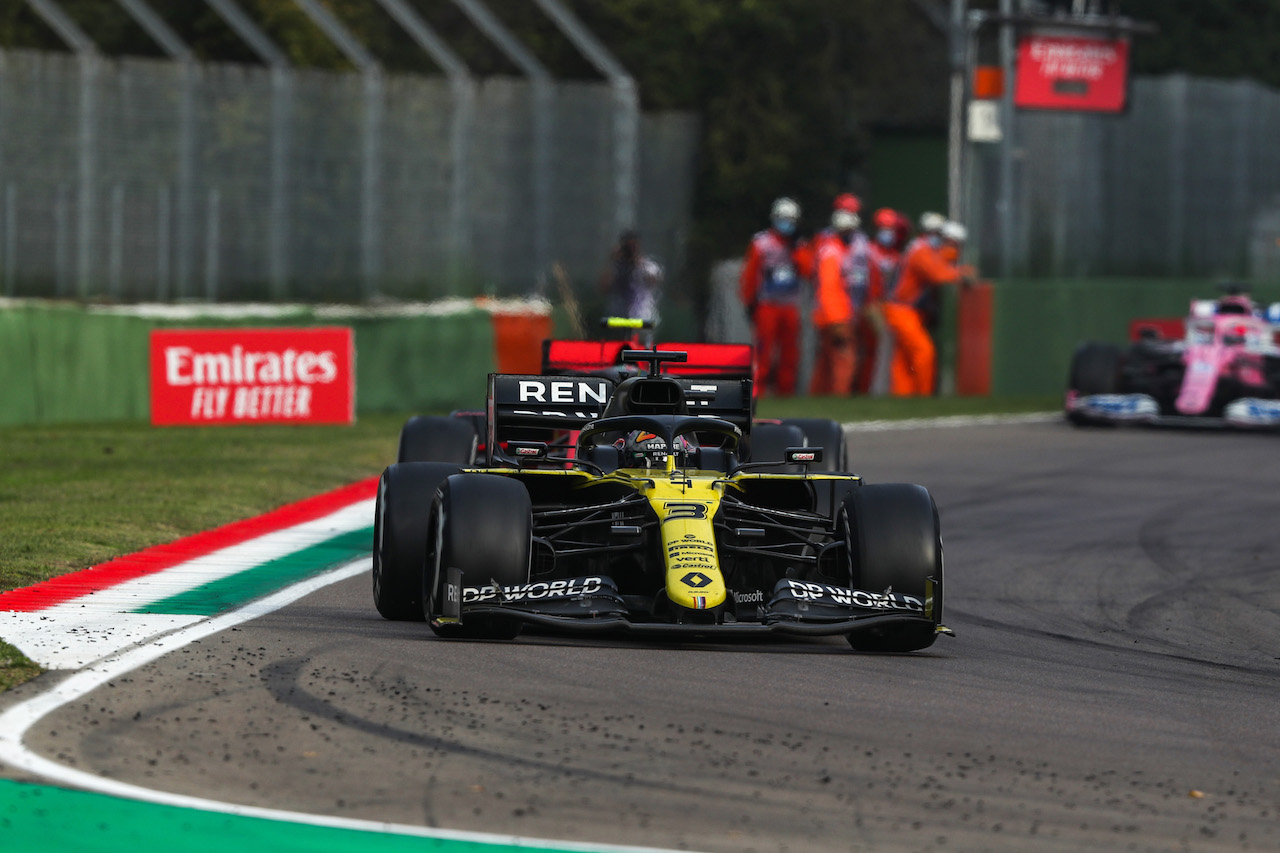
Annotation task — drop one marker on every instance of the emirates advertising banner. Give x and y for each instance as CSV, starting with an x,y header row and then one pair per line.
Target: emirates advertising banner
x,y
203,377
1072,73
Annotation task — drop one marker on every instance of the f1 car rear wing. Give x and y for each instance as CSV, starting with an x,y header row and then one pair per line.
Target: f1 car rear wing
x,y
524,406
581,356
720,361
712,361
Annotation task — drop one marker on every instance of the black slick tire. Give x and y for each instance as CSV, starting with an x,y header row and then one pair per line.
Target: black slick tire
x,y
481,524
895,543
1095,369
400,531
428,438
768,443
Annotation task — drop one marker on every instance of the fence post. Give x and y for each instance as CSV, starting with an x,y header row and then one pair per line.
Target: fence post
x,y
626,117
115,251
1177,94
185,213
10,239
463,89
213,225
543,118
164,250
281,122
177,50
371,137
278,227
88,176
60,241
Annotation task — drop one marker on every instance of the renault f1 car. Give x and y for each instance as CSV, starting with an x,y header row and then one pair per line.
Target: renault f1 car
x,y
429,437
651,523
1224,370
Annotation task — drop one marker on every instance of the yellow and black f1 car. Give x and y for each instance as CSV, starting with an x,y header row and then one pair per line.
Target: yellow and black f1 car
x,y
649,522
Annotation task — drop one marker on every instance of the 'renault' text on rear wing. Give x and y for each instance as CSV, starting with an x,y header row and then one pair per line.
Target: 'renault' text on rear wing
x,y
532,406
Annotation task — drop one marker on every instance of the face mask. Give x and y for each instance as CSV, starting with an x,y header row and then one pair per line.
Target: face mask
x,y
885,237
786,227
935,241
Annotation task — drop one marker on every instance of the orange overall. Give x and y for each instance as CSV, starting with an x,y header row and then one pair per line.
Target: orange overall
x,y
913,369
841,288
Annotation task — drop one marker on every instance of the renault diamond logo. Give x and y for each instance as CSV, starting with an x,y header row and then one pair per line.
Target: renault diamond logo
x,y
697,580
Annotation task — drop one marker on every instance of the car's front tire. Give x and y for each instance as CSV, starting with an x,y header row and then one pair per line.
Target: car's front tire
x,y
894,541
1095,369
482,525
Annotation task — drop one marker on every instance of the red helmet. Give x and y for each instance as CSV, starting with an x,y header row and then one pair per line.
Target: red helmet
x,y
847,201
886,217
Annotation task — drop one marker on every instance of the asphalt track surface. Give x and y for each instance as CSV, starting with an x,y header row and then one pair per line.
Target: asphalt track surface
x,y
1114,686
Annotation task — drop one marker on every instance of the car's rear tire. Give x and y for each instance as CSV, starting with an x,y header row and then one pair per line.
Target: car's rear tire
x,y
895,543
768,443
827,434
428,438
481,524
1095,369
400,528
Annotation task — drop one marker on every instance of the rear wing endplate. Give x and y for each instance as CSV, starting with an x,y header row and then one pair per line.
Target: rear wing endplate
x,y
551,403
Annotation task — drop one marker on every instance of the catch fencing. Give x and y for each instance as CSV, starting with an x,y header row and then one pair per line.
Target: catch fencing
x,y
1185,183
136,180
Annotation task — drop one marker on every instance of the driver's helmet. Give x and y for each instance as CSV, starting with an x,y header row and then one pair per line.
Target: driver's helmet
x,y
644,449
1235,303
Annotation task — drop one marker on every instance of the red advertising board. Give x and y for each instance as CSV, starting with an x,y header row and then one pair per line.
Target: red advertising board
x,y
1072,73
252,376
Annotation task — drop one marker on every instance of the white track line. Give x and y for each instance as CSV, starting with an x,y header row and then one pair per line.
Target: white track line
x,y
15,722
75,633
952,421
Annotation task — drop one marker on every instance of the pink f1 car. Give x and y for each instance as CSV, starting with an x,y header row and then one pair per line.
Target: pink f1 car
x,y
1223,370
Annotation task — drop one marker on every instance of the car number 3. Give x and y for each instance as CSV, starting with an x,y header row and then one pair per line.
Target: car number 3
x,y
686,510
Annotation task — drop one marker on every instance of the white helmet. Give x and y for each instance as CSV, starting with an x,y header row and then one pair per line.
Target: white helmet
x,y
952,230
844,220
931,221
785,208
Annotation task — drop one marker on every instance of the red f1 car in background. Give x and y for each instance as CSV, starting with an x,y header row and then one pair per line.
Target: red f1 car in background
x,y
1223,369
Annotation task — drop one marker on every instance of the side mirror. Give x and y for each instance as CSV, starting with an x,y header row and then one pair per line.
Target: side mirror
x,y
802,455
527,451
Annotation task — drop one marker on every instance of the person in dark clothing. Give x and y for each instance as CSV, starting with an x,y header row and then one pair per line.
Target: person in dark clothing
x,y
634,280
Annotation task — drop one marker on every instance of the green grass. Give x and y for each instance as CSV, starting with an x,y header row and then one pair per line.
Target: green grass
x,y
14,667
76,496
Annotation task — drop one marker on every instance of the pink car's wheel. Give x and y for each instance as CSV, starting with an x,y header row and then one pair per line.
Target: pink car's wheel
x,y
1095,369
